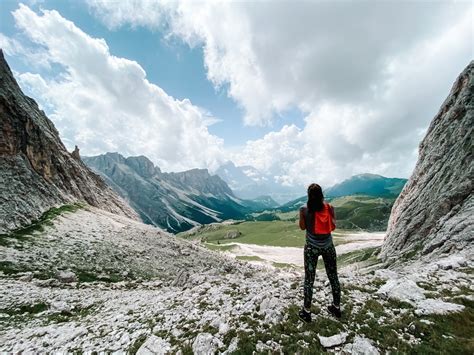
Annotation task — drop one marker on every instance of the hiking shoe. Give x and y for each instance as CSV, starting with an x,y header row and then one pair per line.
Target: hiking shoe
x,y
335,311
305,316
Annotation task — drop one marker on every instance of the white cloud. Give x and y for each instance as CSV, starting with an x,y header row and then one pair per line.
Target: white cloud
x,y
105,103
369,75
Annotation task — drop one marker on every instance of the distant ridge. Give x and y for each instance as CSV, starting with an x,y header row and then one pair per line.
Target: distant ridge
x,y
36,170
174,201
367,184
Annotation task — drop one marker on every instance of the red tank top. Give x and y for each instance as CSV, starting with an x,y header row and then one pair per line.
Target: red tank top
x,y
324,220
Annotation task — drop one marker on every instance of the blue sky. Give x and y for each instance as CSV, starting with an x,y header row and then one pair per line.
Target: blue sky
x,y
302,91
172,64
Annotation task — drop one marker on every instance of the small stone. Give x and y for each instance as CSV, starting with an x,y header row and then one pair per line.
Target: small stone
x,y
206,343
154,346
66,276
360,346
329,342
61,307
27,277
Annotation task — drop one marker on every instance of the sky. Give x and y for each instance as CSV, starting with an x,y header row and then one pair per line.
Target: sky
x,y
301,90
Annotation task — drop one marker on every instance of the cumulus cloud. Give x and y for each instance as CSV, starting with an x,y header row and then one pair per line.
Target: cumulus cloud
x,y
369,75
105,103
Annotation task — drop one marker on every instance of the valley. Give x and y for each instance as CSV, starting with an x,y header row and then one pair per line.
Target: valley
x,y
277,243
88,280
88,263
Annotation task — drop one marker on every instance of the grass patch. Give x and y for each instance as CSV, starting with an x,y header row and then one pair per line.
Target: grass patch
x,y
367,254
272,233
25,309
11,269
66,316
132,350
219,247
86,276
24,234
458,327
249,258
283,265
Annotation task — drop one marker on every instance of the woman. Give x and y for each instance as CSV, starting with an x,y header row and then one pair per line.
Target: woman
x,y
318,219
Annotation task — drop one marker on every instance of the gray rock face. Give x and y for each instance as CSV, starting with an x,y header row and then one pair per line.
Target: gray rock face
x,y
173,201
435,211
36,170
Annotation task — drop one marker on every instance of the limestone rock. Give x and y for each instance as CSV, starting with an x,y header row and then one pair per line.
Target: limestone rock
x,y
66,276
402,289
333,340
75,154
154,346
233,234
181,279
360,346
206,343
434,306
36,171
435,210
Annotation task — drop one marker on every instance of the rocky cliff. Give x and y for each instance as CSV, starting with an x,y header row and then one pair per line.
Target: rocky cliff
x,y
36,170
435,210
174,201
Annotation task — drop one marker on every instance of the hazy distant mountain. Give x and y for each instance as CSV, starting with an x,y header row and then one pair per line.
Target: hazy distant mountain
x,y
249,183
367,184
174,201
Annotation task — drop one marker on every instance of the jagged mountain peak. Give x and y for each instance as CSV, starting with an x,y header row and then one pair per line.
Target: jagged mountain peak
x,y
175,201
36,170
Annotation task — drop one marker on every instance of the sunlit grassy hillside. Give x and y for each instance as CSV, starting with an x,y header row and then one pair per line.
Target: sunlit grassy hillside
x,y
354,212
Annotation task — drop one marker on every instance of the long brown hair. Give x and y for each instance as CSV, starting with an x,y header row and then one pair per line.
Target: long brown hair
x,y
315,198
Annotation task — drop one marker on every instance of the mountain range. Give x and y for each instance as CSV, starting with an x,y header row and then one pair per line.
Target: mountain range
x,y
173,201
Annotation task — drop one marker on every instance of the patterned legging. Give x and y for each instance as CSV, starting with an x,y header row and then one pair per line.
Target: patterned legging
x,y
311,254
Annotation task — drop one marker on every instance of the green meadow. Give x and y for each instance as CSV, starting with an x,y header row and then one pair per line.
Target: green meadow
x,y
272,233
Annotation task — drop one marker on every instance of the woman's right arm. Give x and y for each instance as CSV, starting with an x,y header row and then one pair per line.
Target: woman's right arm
x,y
302,222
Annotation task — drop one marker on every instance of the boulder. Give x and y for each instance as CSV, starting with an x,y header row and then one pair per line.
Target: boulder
x,y
66,276
402,289
360,346
434,306
206,343
233,234
154,346
333,340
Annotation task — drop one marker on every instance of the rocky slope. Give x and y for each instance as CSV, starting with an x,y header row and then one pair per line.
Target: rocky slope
x,y
36,170
173,201
94,281
435,210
